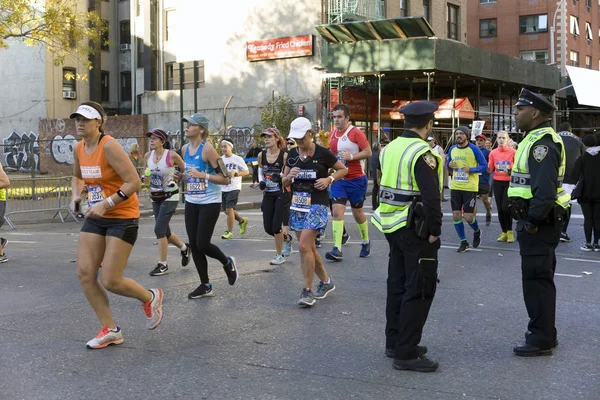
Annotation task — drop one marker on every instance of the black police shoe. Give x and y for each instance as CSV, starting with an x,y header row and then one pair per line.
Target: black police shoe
x,y
554,344
419,364
528,350
422,350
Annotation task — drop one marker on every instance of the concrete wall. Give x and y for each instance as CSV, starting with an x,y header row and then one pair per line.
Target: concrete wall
x,y
220,40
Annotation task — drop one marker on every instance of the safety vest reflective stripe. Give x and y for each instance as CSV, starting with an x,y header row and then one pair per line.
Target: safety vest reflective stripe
x,y
520,180
398,185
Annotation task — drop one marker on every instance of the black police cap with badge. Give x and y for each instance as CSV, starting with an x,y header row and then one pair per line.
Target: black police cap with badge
x,y
419,112
535,100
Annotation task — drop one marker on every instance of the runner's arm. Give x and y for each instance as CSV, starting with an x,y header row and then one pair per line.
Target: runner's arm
x,y
209,154
117,159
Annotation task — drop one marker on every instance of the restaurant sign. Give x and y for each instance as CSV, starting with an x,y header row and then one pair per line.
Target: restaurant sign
x,y
288,47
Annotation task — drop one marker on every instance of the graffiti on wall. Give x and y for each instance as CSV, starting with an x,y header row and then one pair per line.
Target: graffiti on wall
x,y
52,125
242,139
62,149
21,152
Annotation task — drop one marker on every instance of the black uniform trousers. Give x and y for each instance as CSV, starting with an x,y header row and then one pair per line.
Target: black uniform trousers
x,y
407,308
538,263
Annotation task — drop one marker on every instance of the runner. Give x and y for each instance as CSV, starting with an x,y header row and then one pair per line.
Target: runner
x,y
484,179
236,168
350,145
500,163
307,171
276,199
205,171
110,227
161,166
466,162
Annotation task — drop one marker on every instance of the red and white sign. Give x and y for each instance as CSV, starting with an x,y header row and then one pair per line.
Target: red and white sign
x,y
288,47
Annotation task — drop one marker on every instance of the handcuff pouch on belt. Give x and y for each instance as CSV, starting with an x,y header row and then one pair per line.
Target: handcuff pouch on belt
x,y
416,220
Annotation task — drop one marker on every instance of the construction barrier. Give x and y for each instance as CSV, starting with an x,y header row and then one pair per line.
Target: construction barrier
x,y
32,195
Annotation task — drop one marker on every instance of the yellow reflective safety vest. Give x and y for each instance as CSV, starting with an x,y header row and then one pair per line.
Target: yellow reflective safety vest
x,y
398,185
520,179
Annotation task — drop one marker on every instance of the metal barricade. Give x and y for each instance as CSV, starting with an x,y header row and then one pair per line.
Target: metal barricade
x,y
32,195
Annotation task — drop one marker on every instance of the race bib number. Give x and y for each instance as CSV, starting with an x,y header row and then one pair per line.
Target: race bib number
x,y
461,176
502,166
300,202
270,185
195,187
95,194
156,182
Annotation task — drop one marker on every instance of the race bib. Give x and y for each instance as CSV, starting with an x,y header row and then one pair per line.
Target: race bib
x,y
195,187
270,185
95,194
460,176
502,166
156,181
300,202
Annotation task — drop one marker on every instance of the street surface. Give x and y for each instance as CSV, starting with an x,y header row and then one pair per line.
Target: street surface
x,y
251,341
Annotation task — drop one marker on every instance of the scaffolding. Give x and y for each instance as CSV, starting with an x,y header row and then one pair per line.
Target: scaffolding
x,y
355,10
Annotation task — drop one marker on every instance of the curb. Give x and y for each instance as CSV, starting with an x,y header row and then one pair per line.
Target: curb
x,y
244,205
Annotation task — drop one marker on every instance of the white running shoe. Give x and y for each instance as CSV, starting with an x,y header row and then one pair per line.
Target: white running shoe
x,y
105,338
277,260
153,309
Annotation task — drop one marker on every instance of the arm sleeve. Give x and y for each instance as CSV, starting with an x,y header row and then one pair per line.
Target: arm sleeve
x,y
481,163
429,184
491,163
449,157
577,168
544,177
242,164
358,137
261,176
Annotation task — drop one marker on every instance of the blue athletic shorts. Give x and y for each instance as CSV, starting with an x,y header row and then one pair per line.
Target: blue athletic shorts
x,y
354,190
315,219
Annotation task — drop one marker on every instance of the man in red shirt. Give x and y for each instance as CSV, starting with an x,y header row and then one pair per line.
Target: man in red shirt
x,y
350,145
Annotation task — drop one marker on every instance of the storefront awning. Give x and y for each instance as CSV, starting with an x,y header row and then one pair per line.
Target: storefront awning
x,y
586,83
381,29
463,109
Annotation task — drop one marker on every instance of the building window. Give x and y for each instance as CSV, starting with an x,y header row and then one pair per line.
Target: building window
x,y
140,52
125,32
404,8
588,32
453,13
169,24
126,86
104,83
427,10
574,58
486,1
540,56
588,4
169,76
487,28
588,62
574,26
69,79
533,23
104,39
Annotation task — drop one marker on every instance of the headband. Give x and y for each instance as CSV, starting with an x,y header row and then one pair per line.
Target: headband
x,y
228,142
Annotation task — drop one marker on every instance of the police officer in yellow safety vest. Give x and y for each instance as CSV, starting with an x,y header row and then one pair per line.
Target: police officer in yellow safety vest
x,y
538,203
410,215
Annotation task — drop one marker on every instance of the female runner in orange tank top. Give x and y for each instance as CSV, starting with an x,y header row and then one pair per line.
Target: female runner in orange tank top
x,y
111,223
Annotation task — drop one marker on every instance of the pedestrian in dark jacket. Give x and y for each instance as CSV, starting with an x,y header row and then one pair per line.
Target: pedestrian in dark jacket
x,y
586,169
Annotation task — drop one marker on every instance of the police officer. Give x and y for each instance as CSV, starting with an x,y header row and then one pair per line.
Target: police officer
x,y
410,215
538,203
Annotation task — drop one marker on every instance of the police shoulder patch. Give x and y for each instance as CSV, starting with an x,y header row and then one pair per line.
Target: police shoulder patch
x,y
540,152
430,160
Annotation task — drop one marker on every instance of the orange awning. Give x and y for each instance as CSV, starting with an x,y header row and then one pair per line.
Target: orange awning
x,y
463,109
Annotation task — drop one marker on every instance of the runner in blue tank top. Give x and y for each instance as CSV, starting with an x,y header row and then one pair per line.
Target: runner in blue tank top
x,y
205,173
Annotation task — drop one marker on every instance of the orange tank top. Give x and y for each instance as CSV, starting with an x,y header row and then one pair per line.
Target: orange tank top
x,y
102,180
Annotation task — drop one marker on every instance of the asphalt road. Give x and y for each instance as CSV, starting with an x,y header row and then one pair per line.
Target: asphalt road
x,y
251,341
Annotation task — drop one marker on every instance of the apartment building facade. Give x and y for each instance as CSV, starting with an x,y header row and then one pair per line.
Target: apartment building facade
x,y
566,32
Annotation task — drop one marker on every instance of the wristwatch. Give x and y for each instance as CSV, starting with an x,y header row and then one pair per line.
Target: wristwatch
x,y
332,179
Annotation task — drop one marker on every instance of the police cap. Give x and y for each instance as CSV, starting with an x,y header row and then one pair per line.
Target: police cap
x,y
419,112
535,100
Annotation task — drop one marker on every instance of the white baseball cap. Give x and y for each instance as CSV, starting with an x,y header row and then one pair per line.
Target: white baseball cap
x,y
299,127
86,112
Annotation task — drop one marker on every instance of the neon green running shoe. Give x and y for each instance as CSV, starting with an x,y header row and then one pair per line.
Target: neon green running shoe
x,y
227,235
243,225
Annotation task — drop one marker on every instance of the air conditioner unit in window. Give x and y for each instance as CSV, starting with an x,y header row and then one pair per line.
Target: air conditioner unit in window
x,y
69,94
125,47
